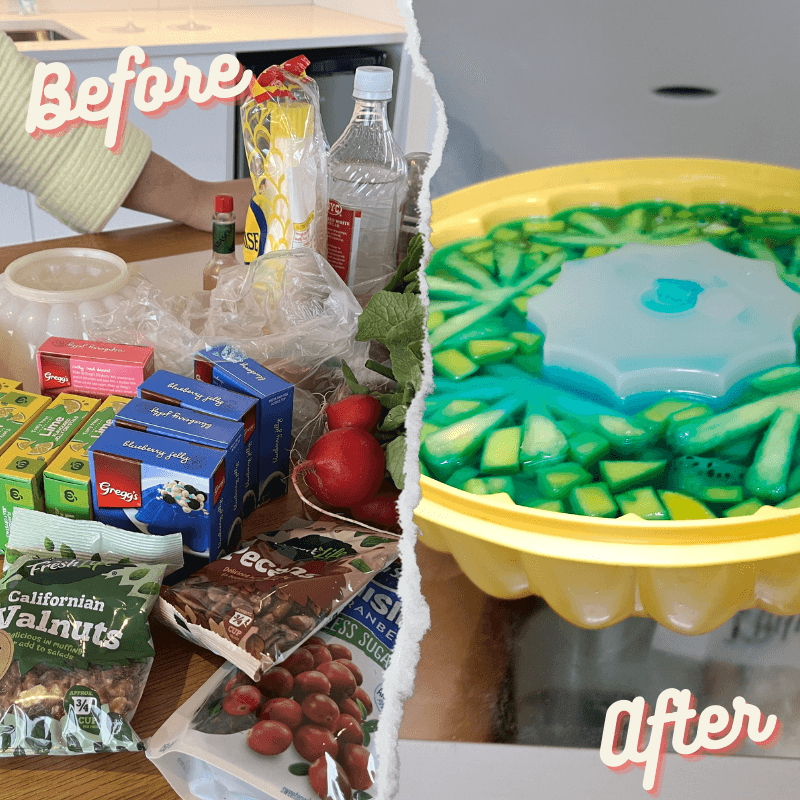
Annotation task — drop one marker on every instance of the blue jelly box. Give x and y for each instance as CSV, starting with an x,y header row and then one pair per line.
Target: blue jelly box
x,y
192,426
175,390
275,397
155,484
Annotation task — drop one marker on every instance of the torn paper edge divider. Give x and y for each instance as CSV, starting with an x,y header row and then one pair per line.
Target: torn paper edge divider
x,y
399,678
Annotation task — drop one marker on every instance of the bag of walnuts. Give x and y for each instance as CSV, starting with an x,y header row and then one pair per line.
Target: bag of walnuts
x,y
75,644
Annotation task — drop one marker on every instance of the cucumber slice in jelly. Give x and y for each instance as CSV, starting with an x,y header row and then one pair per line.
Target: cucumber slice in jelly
x,y
489,485
501,452
768,475
542,443
745,509
643,502
587,448
708,479
488,351
593,500
556,482
453,364
622,475
778,379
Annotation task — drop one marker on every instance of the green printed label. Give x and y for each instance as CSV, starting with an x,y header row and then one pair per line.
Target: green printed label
x,y
85,704
360,637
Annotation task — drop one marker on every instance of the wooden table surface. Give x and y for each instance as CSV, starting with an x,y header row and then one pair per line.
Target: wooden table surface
x,y
463,657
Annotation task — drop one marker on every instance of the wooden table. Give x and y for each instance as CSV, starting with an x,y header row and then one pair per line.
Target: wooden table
x,y
463,661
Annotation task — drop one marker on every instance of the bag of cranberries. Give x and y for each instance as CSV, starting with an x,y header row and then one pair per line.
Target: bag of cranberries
x,y
305,729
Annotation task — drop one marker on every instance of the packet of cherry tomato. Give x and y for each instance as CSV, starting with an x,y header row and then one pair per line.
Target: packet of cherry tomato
x,y
306,729
255,606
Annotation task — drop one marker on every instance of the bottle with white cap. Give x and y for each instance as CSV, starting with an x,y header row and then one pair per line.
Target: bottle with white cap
x,y
367,187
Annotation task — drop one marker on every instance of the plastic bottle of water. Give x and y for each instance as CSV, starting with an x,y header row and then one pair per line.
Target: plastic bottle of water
x,y
367,187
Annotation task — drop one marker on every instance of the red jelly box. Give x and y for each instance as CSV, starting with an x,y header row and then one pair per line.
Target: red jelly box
x,y
92,369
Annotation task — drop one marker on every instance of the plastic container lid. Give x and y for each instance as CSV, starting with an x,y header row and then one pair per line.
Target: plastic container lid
x,y
66,275
223,204
373,83
648,319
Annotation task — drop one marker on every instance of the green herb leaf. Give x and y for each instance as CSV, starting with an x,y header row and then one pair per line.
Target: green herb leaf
x,y
394,419
149,588
395,458
370,725
95,557
48,544
138,574
373,541
407,363
391,317
301,768
392,399
408,269
364,713
361,565
353,384
67,552
12,555
380,369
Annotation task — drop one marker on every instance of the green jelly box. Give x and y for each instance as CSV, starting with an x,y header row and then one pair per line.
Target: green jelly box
x,y
17,411
22,465
67,487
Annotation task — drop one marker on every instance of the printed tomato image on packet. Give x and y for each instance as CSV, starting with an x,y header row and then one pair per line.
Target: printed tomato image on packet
x,y
305,729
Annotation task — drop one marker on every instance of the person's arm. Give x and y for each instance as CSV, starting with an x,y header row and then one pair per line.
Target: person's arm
x,y
167,191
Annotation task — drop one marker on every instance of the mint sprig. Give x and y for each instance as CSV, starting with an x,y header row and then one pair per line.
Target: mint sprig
x,y
395,318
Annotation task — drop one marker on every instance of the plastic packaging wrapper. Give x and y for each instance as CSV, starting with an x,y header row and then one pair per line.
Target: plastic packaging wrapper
x,y
287,736
254,607
288,310
287,153
75,645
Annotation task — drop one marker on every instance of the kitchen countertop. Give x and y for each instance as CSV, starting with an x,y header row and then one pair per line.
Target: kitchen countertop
x,y
243,29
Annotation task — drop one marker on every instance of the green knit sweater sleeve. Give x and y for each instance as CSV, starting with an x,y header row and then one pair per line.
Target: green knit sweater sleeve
x,y
73,176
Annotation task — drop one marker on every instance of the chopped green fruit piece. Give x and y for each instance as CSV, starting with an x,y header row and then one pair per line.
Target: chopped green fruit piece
x,y
533,226
489,486
521,304
453,364
542,443
461,476
458,409
487,329
661,412
622,475
551,279
588,222
487,351
739,450
501,452
790,502
435,320
485,259
694,411
508,260
526,492
594,250
559,480
551,505
708,479
700,436
587,448
528,343
779,379
532,364
680,506
427,429
473,248
743,509
423,470
768,474
537,288
505,235
569,428
592,500
452,447
643,502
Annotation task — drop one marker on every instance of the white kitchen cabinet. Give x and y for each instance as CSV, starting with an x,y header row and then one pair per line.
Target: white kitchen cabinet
x,y
196,139
15,220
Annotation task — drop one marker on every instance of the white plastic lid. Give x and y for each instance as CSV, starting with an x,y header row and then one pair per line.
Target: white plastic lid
x,y
66,275
373,83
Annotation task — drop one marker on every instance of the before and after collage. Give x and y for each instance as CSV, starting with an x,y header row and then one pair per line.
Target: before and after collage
x,y
399,399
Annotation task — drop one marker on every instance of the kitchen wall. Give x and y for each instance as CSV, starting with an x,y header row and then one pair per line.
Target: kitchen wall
x,y
528,85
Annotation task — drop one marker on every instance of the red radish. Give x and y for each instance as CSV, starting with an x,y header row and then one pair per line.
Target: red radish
x,y
380,509
344,467
356,411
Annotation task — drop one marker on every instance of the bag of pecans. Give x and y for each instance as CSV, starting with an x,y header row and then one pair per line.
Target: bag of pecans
x,y
255,606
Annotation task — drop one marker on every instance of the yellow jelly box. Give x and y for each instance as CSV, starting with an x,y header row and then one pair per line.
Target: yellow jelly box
x,y
17,411
67,490
23,463
7,385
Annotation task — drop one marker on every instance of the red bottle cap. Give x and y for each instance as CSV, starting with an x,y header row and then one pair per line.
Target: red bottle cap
x,y
223,204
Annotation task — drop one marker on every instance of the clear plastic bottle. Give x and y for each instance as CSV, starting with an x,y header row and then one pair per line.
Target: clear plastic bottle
x,y
410,213
224,242
367,188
